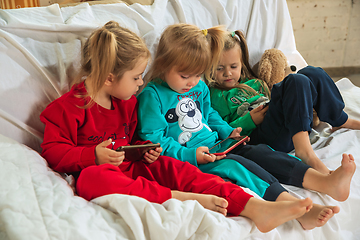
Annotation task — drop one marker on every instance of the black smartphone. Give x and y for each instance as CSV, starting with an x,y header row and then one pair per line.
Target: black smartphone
x,y
135,152
266,104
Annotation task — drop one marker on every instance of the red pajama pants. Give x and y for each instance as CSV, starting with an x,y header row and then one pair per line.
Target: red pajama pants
x,y
155,181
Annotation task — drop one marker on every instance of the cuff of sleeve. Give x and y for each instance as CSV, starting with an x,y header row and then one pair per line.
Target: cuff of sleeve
x,y
87,157
189,155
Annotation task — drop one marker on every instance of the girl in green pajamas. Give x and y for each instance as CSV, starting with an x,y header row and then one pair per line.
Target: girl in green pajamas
x,y
175,110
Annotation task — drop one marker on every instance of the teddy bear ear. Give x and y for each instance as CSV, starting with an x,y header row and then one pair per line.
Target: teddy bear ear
x,y
264,71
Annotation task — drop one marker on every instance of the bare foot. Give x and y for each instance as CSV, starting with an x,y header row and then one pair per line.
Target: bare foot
x,y
268,215
317,216
340,179
208,201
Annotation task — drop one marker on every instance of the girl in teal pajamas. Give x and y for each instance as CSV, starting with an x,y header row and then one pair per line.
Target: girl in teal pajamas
x,y
175,110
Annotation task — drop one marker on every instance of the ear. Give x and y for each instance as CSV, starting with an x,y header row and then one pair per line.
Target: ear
x,y
109,80
198,105
171,116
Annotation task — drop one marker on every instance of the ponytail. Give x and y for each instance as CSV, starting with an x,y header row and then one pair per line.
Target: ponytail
x,y
248,72
215,37
109,49
102,49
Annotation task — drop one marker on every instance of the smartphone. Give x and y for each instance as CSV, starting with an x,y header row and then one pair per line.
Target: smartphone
x,y
266,104
135,152
226,145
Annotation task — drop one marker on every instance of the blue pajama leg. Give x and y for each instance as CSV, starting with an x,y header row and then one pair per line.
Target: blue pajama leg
x,y
329,104
286,168
245,173
290,109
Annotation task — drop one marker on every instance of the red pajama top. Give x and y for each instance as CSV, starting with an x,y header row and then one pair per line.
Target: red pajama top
x,y
72,133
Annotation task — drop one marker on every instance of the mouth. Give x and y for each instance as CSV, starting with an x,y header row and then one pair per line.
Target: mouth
x,y
186,89
227,80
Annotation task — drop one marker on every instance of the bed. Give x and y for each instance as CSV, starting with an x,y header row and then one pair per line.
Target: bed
x,y
39,51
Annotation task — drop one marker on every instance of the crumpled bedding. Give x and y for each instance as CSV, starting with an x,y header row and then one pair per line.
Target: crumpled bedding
x,y
37,203
39,55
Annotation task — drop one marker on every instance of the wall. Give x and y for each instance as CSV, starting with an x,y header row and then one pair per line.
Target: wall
x,y
327,32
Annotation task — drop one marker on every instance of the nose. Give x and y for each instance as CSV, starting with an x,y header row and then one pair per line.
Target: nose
x,y
227,72
191,113
141,81
192,82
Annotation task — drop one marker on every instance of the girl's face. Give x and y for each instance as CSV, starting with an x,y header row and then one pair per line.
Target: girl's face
x,y
181,82
130,82
228,70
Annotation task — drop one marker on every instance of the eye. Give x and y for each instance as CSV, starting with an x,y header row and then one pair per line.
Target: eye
x,y
234,66
184,108
219,68
191,105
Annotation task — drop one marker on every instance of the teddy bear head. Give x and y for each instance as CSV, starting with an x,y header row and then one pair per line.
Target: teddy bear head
x,y
273,67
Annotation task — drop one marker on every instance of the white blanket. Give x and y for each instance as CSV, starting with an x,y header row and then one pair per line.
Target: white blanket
x,y
36,203
39,53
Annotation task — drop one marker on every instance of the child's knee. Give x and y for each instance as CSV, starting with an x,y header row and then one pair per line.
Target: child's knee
x,y
96,173
313,72
95,177
296,81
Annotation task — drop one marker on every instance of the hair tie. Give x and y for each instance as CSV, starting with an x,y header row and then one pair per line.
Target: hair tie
x,y
205,32
234,35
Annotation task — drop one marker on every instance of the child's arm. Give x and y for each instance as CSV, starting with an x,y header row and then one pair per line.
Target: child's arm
x,y
60,139
229,112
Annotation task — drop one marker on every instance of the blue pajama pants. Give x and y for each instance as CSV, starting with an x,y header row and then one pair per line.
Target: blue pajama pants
x,y
259,168
291,108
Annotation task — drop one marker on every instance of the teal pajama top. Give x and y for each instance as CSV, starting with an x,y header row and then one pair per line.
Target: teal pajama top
x,y
183,122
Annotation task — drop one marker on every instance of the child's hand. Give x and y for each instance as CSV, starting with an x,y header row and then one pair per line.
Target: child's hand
x,y
106,155
152,155
203,156
258,114
236,133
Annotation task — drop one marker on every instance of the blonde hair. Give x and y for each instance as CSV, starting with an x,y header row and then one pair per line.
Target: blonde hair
x,y
231,40
188,48
109,49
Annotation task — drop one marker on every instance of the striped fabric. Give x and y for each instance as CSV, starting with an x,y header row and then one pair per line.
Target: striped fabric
x,y
11,4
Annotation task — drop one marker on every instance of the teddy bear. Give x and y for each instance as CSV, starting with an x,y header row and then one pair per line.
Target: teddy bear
x,y
273,67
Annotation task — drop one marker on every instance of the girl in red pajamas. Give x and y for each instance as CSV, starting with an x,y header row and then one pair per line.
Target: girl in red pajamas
x,y
99,114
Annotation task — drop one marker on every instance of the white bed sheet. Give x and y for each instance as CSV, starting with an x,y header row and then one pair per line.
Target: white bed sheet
x,y
36,203
39,51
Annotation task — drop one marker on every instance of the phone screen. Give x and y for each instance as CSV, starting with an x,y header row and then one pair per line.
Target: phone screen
x,y
226,145
135,152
